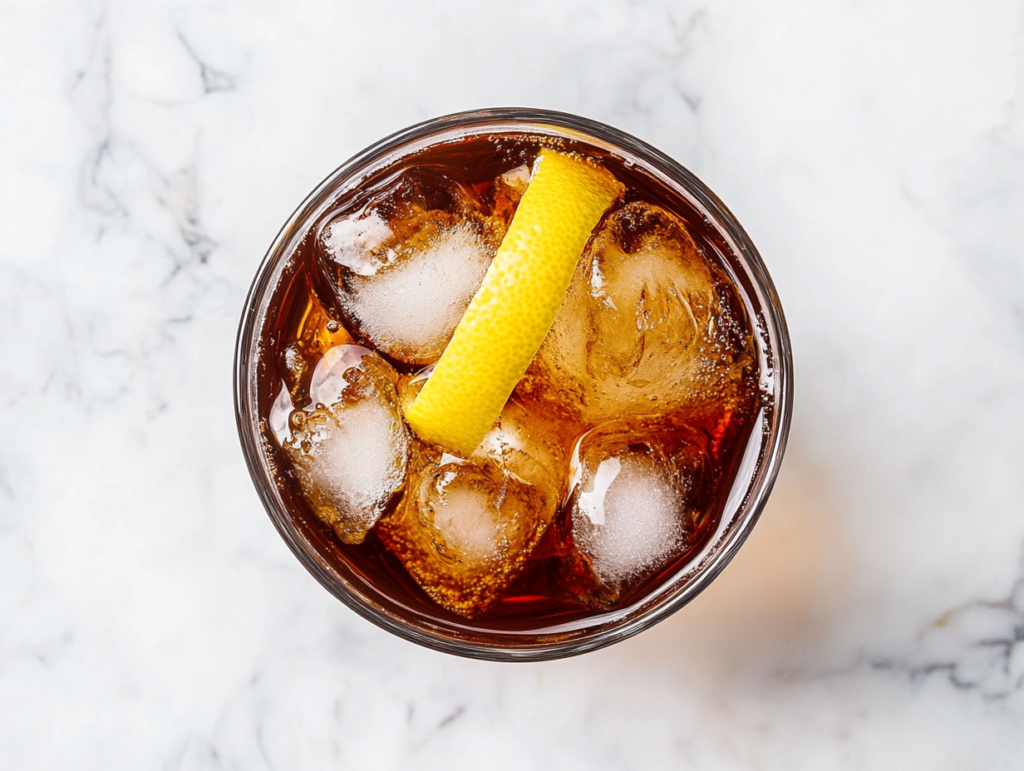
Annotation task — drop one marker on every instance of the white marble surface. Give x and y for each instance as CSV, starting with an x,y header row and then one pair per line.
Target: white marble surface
x,y
150,616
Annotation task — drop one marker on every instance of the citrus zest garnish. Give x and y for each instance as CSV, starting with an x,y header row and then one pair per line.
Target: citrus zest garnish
x,y
511,313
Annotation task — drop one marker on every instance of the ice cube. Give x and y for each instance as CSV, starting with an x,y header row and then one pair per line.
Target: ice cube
x,y
516,179
349,448
358,243
631,520
405,265
335,373
411,308
648,326
465,527
508,192
640,498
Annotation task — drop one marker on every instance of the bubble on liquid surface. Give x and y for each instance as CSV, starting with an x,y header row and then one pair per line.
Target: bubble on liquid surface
x,y
405,266
641,496
350,449
649,325
465,526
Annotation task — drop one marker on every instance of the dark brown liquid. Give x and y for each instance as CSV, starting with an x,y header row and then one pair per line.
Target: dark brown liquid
x,y
304,318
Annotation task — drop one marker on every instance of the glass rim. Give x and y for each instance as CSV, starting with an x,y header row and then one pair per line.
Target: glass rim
x,y
665,599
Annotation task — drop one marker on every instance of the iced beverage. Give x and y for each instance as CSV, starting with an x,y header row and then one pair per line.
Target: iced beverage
x,y
615,473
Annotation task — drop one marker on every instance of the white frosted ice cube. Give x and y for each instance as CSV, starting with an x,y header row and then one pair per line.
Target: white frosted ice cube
x,y
349,448
410,306
419,300
630,521
355,242
358,460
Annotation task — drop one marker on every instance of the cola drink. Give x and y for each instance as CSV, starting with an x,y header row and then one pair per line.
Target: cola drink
x,y
624,455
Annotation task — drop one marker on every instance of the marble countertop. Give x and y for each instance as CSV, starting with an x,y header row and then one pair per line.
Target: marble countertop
x,y
151,617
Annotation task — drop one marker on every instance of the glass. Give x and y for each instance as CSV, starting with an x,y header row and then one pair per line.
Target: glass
x,y
751,485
